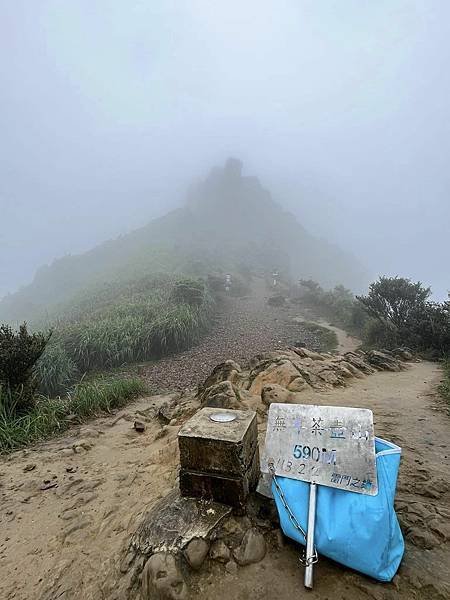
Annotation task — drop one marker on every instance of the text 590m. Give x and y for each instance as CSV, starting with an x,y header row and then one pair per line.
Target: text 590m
x,y
319,455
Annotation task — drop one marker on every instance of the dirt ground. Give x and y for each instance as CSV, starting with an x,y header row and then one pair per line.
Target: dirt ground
x,y
69,505
346,342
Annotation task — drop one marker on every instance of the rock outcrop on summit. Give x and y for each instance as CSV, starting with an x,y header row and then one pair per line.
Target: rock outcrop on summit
x,y
285,375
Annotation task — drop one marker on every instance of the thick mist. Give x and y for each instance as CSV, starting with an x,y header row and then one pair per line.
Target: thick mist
x,y
110,109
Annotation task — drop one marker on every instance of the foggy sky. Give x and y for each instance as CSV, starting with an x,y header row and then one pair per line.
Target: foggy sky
x,y
109,109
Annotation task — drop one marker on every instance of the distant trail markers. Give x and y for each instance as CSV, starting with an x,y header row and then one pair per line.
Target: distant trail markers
x,y
322,445
275,278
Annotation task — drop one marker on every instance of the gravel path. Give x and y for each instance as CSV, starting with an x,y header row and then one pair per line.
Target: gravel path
x,y
243,327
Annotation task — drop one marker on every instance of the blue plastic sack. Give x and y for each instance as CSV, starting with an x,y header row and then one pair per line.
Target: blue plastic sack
x,y
356,530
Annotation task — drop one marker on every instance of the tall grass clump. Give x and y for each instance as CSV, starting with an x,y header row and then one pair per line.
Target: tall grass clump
x,y
92,398
137,328
45,418
55,370
51,416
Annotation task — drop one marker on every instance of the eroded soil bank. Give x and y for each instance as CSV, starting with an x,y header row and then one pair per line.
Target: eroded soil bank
x,y
69,506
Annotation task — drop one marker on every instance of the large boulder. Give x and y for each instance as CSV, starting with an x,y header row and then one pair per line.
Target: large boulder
x,y
222,395
196,552
226,371
383,361
358,361
272,392
305,353
173,523
252,548
162,579
282,372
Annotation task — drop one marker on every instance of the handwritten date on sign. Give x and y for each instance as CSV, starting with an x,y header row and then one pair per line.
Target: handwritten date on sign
x,y
332,446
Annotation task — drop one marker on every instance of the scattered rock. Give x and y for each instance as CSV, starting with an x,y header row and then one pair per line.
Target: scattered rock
x,y
405,354
231,567
252,548
49,484
162,433
383,361
220,551
66,452
89,432
139,426
29,467
162,579
305,353
169,410
83,444
273,392
276,539
196,552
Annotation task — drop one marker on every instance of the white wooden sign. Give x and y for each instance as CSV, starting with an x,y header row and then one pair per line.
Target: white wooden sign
x,y
327,445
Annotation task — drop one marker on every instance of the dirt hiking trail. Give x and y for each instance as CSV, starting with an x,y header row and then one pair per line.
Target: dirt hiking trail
x,y
346,342
68,506
242,328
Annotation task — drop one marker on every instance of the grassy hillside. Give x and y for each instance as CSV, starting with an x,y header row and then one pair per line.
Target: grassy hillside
x,y
229,222
123,322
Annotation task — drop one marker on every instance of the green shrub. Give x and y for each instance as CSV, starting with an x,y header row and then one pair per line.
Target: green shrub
x,y
403,315
19,352
338,305
189,292
395,300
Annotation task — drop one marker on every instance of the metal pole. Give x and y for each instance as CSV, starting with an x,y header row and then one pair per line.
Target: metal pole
x,y
310,536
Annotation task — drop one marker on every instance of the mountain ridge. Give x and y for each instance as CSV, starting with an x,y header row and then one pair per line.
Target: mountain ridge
x,y
228,219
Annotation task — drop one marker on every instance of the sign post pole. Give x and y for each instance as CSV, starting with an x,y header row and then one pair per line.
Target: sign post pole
x,y
310,554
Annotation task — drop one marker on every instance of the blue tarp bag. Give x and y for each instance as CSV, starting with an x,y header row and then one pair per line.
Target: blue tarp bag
x,y
359,531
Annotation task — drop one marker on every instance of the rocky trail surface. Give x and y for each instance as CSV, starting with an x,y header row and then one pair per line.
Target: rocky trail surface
x,y
69,507
243,327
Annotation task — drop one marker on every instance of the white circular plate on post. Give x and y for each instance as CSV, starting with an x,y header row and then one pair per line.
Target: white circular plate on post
x,y
222,417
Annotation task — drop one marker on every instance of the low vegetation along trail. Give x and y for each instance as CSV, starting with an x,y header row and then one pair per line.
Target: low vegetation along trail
x,y
69,505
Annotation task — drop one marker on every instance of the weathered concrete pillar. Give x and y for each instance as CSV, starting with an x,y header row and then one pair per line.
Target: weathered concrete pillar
x,y
219,455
